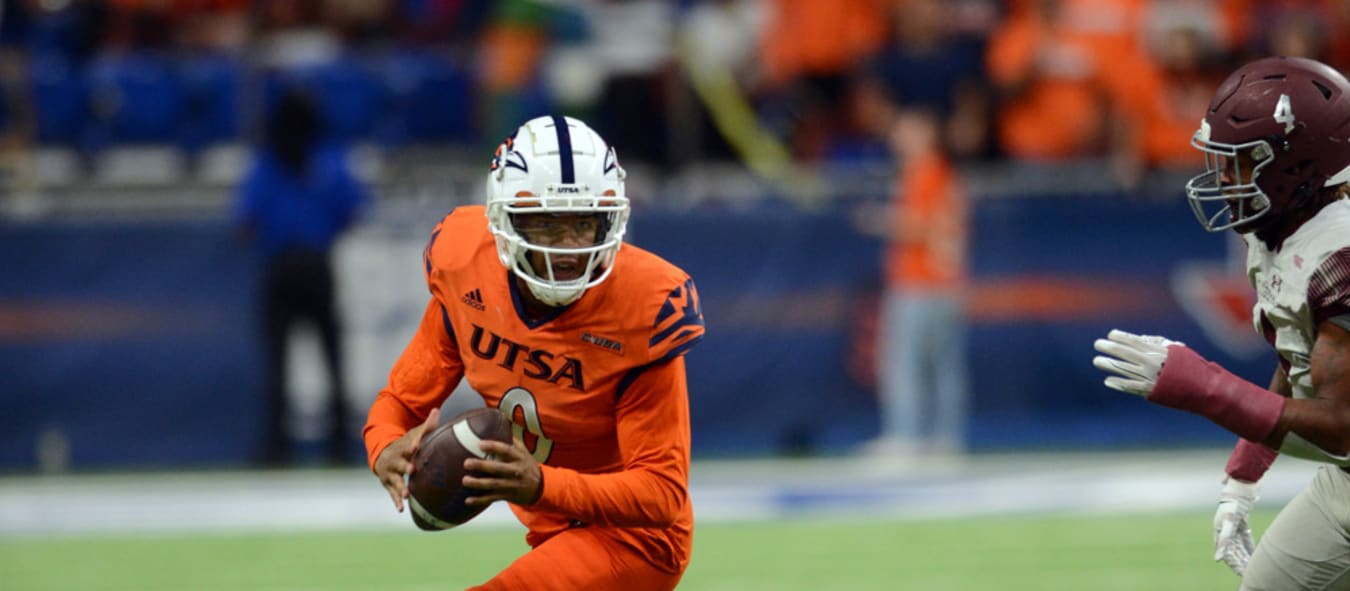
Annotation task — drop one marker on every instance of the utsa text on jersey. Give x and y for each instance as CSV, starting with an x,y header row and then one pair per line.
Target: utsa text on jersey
x,y
537,363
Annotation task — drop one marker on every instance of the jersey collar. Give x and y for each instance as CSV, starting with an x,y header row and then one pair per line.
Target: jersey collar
x,y
518,301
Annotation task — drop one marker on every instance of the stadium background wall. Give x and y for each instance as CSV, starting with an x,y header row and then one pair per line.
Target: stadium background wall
x,y
129,345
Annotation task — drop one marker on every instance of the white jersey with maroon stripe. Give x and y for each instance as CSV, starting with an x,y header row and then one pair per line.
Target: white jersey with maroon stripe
x,y
1299,285
1304,282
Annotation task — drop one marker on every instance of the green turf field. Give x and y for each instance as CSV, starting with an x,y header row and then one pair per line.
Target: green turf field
x,y
1101,553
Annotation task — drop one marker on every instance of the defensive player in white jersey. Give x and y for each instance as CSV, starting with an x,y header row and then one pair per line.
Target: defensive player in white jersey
x,y
1276,137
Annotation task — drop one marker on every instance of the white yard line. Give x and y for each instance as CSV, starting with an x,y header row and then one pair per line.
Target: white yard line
x,y
165,502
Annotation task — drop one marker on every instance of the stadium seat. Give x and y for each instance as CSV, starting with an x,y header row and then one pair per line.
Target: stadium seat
x,y
350,96
57,167
431,99
222,164
60,100
139,166
211,110
137,98
57,33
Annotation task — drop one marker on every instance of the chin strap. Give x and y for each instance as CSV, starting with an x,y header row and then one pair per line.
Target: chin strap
x,y
1188,382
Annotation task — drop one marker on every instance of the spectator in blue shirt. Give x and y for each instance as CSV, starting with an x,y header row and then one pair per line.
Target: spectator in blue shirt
x,y
294,203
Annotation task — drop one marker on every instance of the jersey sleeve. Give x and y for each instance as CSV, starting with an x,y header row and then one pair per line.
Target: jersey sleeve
x,y
678,324
653,438
422,378
1329,287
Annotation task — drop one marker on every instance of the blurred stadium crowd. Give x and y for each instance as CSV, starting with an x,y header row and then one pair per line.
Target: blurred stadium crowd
x,y
670,82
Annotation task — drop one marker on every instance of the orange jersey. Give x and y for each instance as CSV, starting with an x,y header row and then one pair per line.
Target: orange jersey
x,y
930,209
597,391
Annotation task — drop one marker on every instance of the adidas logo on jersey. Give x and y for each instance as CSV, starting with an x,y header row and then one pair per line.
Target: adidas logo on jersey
x,y
475,300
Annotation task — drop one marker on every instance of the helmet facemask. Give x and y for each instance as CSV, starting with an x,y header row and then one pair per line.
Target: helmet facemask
x,y
556,167
597,259
1226,195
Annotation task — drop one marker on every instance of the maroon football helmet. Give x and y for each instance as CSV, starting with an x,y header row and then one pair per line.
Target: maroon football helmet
x,y
1276,131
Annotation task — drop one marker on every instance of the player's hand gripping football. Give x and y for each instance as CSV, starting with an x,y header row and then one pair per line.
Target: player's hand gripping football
x,y
1135,360
1232,535
510,473
396,461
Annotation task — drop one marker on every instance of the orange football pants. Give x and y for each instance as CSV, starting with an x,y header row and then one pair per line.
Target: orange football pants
x,y
581,558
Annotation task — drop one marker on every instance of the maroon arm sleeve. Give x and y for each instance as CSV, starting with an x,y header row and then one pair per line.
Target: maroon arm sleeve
x,y
1188,382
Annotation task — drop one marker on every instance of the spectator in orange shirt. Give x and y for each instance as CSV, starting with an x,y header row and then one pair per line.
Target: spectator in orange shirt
x,y
1163,94
509,52
1053,65
810,49
18,123
923,375
1302,28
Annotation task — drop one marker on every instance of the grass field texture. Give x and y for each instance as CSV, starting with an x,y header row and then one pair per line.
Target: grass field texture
x,y
1156,552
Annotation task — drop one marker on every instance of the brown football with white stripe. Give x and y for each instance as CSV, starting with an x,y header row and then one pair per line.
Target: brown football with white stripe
x,y
435,491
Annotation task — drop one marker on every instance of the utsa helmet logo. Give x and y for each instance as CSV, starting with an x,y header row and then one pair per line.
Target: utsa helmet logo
x,y
507,156
611,160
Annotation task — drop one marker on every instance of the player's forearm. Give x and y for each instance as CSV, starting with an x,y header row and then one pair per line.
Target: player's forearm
x,y
1316,429
389,418
1189,382
1250,460
631,498
653,435
419,382
425,374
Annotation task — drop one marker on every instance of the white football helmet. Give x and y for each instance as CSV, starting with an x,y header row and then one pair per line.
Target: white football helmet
x,y
555,165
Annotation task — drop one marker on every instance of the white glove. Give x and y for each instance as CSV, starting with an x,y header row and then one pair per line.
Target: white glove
x,y
1232,536
1135,359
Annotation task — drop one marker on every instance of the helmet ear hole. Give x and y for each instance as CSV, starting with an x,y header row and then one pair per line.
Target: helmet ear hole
x,y
1298,168
1322,88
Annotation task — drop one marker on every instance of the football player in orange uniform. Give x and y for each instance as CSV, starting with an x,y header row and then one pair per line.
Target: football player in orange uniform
x,y
579,342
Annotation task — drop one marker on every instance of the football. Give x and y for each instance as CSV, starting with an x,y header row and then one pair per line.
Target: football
x,y
435,491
